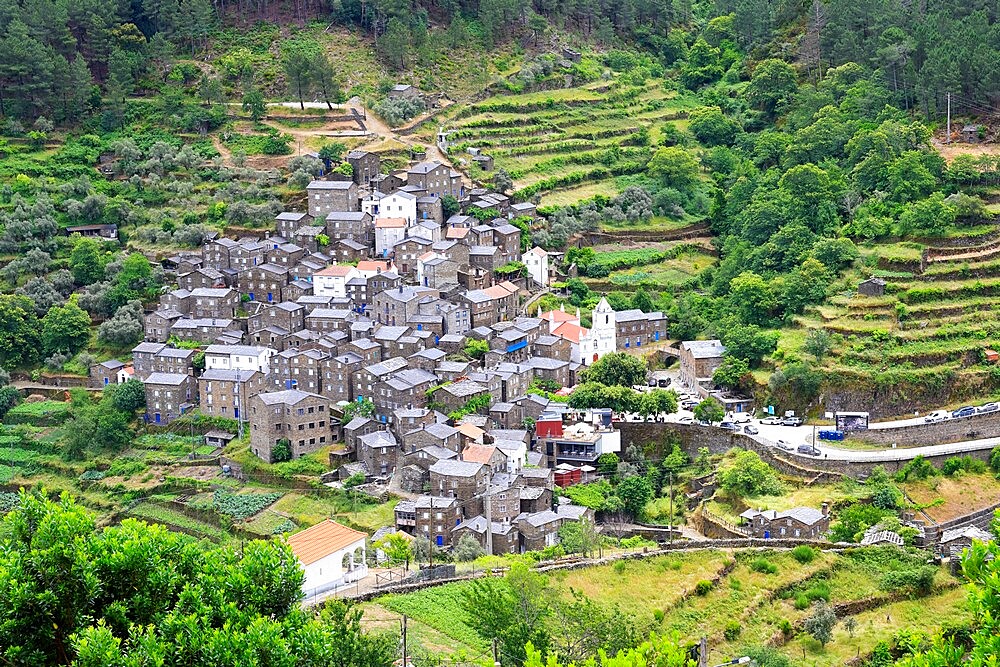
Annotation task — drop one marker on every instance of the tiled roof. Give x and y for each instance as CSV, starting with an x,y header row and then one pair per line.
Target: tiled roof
x,y
323,539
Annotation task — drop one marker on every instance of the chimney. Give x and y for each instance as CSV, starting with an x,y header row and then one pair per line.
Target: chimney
x,y
825,508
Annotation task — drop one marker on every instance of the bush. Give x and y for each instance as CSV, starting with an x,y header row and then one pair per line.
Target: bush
x,y
801,601
764,566
803,554
357,479
917,468
703,587
732,630
920,580
965,463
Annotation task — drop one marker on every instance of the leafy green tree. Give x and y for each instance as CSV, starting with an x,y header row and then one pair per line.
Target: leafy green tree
x,y
711,127
635,492
642,301
20,333
128,396
332,151
282,451
747,476
393,45
509,611
821,622
818,343
854,520
617,368
85,261
749,342
363,408
65,329
659,650
9,397
771,87
324,80
709,410
450,206
468,548
731,372
607,463
476,348
675,167
254,104
502,181
396,547
298,59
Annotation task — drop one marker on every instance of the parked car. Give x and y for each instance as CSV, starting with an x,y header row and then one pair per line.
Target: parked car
x,y
663,382
770,421
740,418
989,407
689,405
966,411
791,421
702,422
652,382
781,444
685,419
729,426
936,416
808,449
831,435
750,429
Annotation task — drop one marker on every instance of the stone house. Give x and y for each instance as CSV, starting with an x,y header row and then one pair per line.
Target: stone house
x,y
369,351
430,208
299,417
204,277
699,359
216,254
485,257
362,290
555,347
432,517
287,315
348,250
405,420
327,196
435,179
872,287
264,282
105,373
538,530
355,429
366,378
157,325
308,237
635,328
394,307
287,222
226,393
247,254
405,389
508,238
378,451
797,523
463,480
168,396
350,225
454,396
337,376
505,536
366,166
297,369
286,254
404,91
432,435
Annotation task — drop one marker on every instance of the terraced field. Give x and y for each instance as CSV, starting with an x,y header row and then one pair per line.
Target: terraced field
x,y
568,144
932,327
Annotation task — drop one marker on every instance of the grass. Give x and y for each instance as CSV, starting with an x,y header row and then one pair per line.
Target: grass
x,y
925,614
171,518
440,608
962,494
794,496
674,272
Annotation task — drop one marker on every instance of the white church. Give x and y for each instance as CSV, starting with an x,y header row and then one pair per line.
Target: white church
x,y
587,345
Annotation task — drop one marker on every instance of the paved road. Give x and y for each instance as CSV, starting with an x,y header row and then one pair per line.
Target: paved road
x,y
772,434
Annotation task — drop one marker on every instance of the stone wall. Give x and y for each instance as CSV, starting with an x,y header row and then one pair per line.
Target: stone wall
x,y
939,433
815,470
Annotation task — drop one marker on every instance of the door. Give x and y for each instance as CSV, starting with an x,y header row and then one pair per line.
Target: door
x,y
156,418
251,296
236,413
440,540
270,297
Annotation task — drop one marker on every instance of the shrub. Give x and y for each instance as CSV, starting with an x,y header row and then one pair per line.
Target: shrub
x,y
801,601
658,615
703,587
803,554
732,630
920,580
917,468
786,627
965,463
764,566
619,567
354,480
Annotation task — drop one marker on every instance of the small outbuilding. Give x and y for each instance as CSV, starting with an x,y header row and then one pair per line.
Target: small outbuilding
x,y
970,134
872,287
331,555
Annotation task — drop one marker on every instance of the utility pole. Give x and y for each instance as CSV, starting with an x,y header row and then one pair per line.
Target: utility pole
x,y
430,542
404,641
948,139
670,497
489,517
496,653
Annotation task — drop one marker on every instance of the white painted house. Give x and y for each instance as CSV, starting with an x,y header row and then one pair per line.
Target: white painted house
x,y
388,232
398,205
604,330
331,555
332,281
238,357
537,262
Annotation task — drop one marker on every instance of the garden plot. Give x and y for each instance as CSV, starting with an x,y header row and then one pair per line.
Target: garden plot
x,y
561,144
